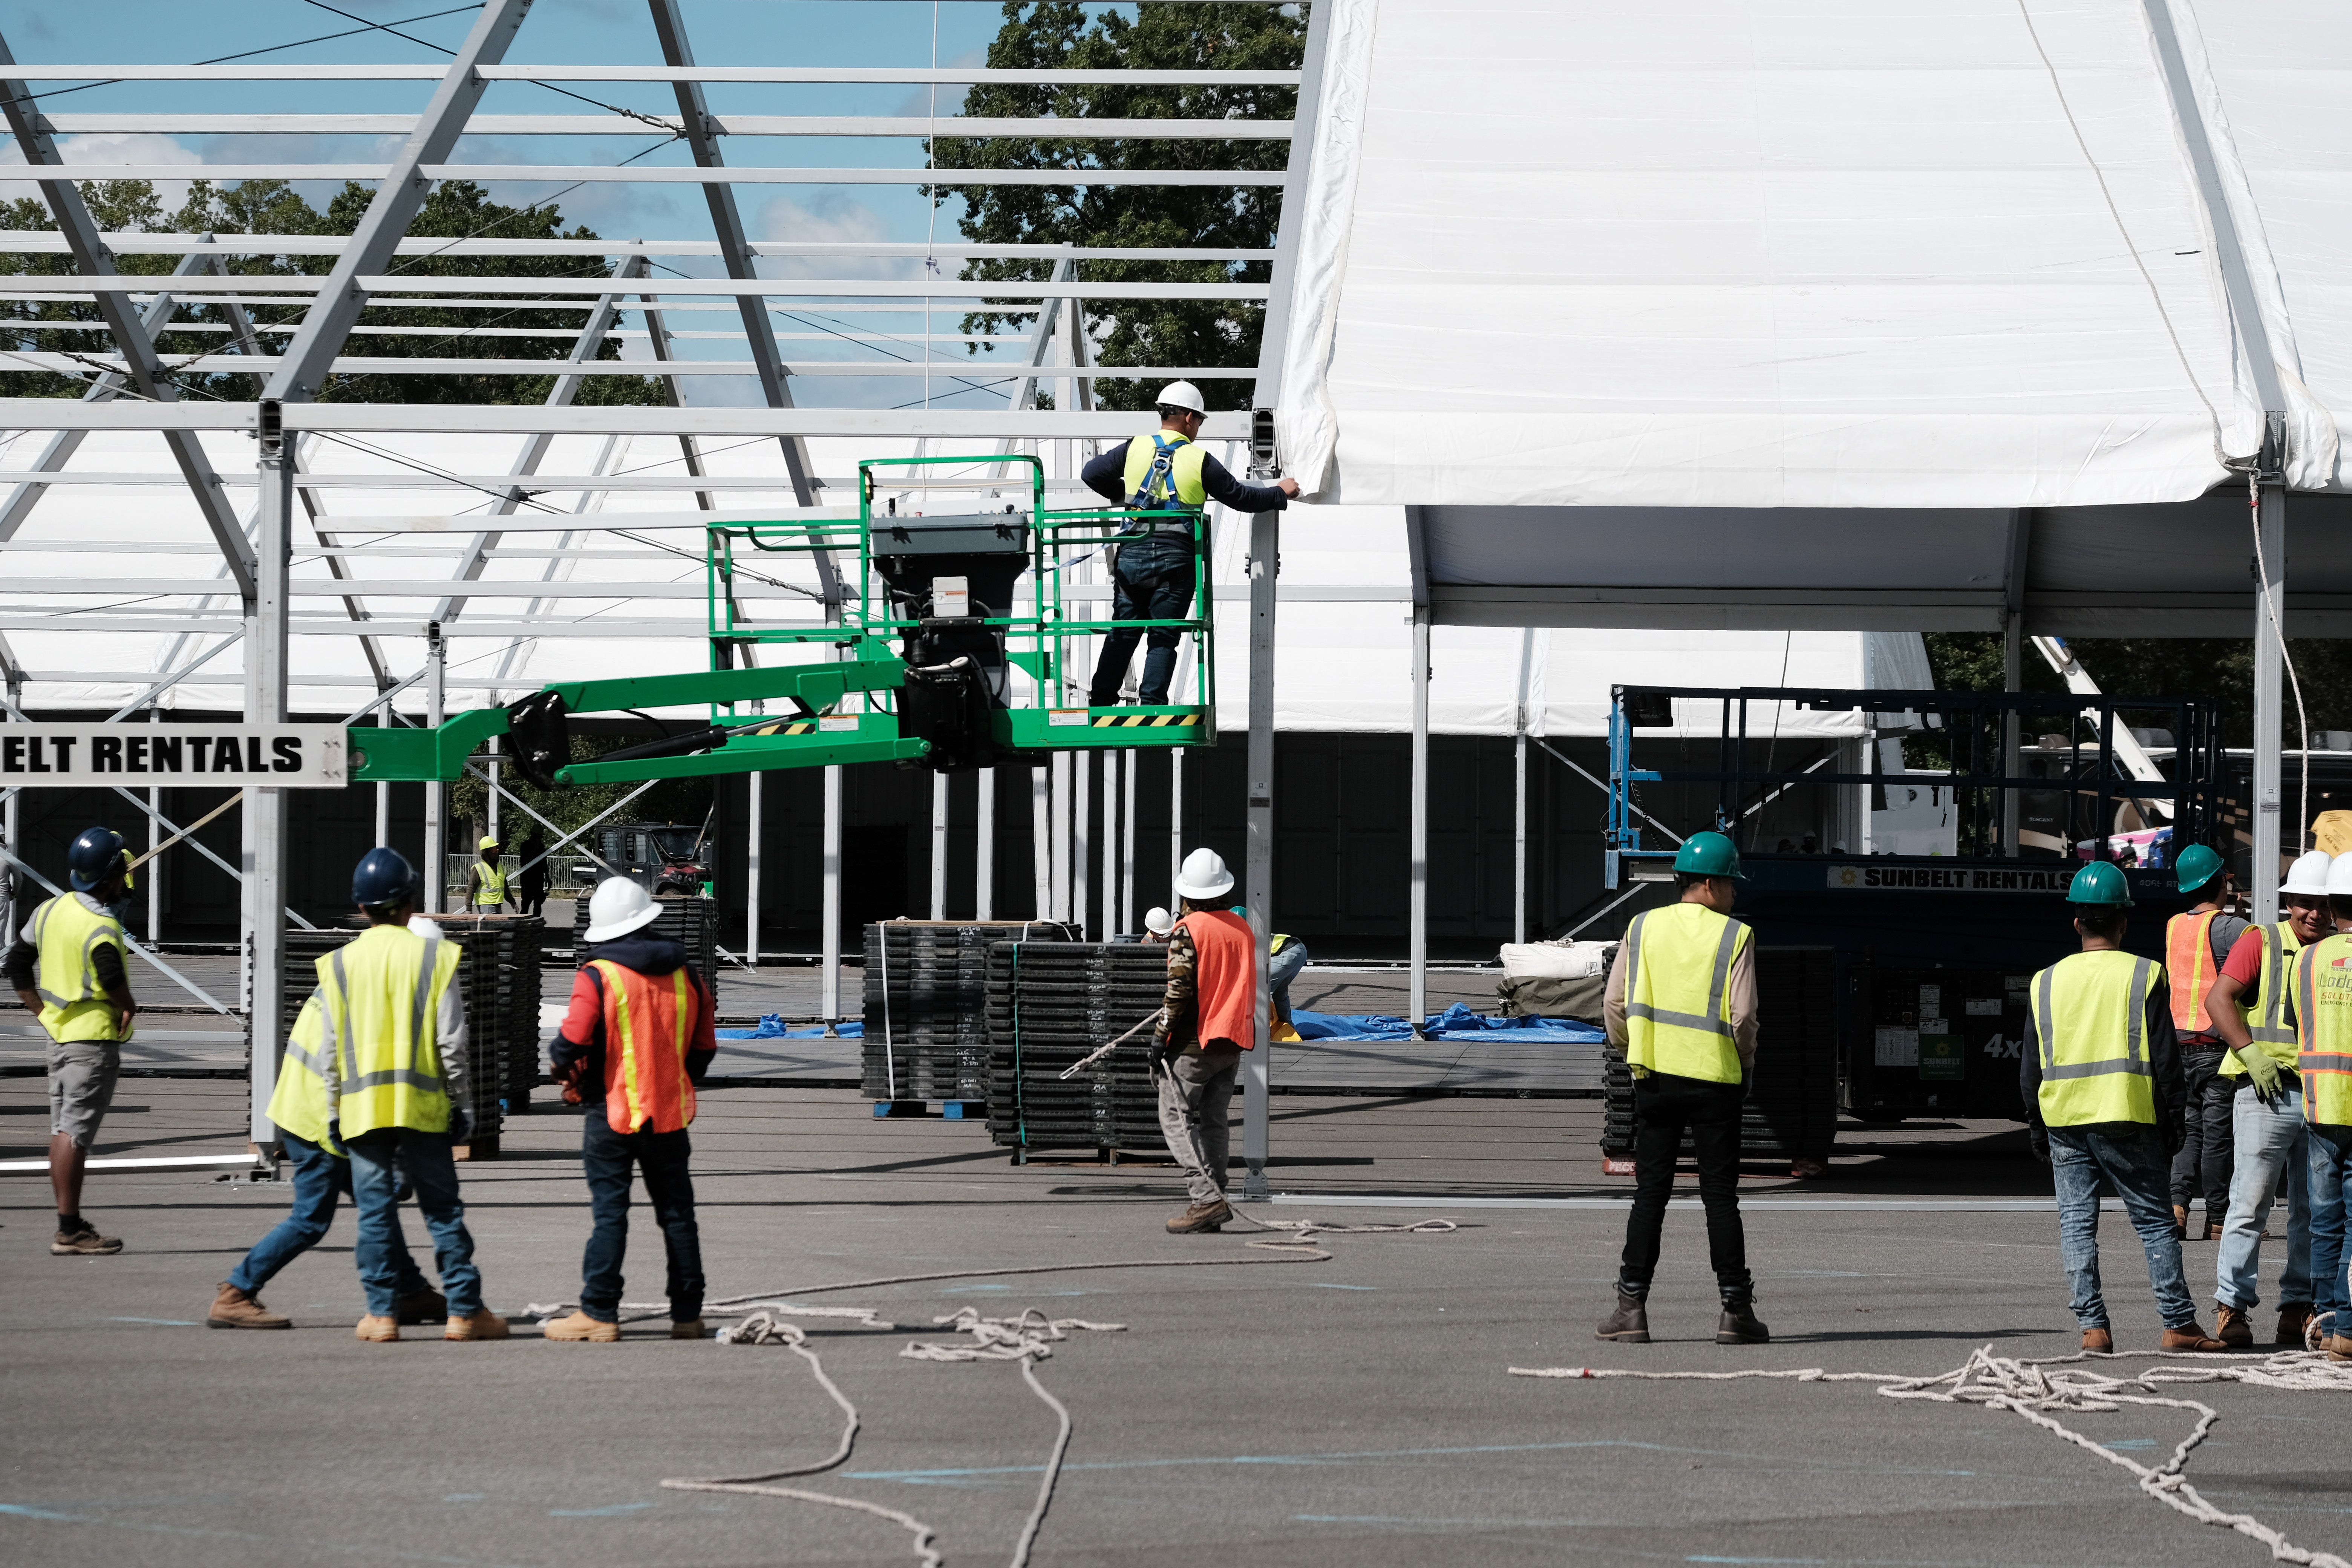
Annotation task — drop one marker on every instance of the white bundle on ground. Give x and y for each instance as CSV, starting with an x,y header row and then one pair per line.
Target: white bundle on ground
x,y
1032,1336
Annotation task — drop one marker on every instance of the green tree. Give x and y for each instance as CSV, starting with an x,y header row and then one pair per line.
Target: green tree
x,y
1162,35
2219,668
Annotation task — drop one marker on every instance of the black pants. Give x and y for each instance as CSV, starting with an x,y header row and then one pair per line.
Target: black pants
x,y
1153,582
1662,1107
2207,1159
662,1158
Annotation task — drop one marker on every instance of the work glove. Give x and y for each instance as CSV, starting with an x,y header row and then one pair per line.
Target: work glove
x,y
461,1125
2037,1138
2270,1083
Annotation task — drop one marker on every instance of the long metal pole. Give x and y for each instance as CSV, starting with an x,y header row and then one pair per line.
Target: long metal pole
x,y
2012,671
1127,846
2269,695
1082,774
831,912
1520,837
1175,820
155,867
1060,770
983,856
265,809
436,794
1417,1006
939,846
1110,926
752,839
1041,840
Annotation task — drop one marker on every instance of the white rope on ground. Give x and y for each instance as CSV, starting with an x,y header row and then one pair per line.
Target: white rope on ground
x,y
1298,1232
2031,1388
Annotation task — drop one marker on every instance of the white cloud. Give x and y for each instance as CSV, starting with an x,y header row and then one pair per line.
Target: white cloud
x,y
90,153
830,216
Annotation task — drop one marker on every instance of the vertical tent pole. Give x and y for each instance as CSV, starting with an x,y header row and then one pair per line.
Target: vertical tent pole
x,y
1127,846
2269,693
752,842
153,870
1264,558
831,912
491,767
1175,820
265,809
1041,840
2012,671
939,846
1110,926
1081,841
983,860
1417,1004
1060,770
383,814
436,794
1519,788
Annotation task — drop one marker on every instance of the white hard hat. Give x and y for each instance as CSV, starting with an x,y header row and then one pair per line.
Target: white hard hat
x,y
619,907
2339,877
1158,921
1204,875
1181,394
2308,875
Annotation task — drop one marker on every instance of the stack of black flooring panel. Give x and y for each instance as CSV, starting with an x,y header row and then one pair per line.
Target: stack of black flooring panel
x,y
1049,1005
693,922
1792,1098
926,1016
497,976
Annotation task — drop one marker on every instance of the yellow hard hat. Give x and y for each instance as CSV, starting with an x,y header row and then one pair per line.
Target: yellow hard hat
x,y
488,843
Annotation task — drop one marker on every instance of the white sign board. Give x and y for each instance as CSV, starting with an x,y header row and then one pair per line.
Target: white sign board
x,y
275,756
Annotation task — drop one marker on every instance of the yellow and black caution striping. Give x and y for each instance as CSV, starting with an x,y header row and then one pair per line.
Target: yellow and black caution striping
x,y
1143,720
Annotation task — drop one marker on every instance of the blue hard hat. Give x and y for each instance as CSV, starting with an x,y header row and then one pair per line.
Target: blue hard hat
x,y
97,854
382,877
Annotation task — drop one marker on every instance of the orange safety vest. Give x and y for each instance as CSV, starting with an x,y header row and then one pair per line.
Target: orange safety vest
x,y
1224,977
648,1024
2188,963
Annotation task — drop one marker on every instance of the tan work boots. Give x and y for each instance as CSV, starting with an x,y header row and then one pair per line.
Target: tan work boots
x,y
233,1309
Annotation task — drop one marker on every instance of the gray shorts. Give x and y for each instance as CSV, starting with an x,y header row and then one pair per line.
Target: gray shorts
x,y
81,1086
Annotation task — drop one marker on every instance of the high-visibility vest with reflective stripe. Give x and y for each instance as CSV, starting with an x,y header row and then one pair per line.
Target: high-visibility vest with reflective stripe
x,y
2189,965
492,889
648,1024
1163,474
2091,1011
383,992
2270,1020
1678,992
298,1103
2322,1016
67,934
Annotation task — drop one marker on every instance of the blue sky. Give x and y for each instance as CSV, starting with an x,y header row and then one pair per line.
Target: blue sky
x,y
760,32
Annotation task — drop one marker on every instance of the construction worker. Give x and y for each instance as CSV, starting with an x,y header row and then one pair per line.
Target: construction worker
x,y
321,1174
1151,578
1680,1007
636,1039
532,879
2253,1006
1208,1017
1158,924
395,1038
67,967
1288,961
2323,1024
486,881
2100,1075
2196,943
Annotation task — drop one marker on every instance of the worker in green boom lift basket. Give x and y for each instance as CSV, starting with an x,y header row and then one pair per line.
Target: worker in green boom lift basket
x,y
2103,1096
1681,1008
1151,573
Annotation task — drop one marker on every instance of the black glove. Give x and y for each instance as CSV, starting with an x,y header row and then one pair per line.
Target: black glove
x,y
2175,1136
461,1125
2037,1138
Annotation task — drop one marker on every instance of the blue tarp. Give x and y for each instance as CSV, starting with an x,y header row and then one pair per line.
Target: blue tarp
x,y
1456,1023
772,1028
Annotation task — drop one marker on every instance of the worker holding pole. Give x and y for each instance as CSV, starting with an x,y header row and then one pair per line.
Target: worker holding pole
x,y
2100,1075
67,968
396,1042
2196,944
1681,1008
1151,578
2253,1006
2322,1027
1207,1019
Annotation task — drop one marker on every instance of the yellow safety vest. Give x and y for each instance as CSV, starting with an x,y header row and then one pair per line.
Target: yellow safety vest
x,y
2270,1020
2323,1015
1678,992
298,1103
2091,1011
68,934
493,889
383,992
1179,485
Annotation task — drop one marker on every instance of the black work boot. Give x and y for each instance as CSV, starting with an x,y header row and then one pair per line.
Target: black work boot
x,y
1629,1324
1739,1324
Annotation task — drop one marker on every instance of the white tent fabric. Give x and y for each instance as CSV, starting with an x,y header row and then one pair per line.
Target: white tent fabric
x,y
1757,254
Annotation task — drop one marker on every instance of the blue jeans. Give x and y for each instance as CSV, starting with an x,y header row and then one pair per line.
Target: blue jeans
x,y
2139,1170
319,1182
2268,1143
2331,1179
662,1157
435,1175
1282,972
1153,581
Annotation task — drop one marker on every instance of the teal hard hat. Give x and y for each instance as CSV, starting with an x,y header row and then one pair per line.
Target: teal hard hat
x,y
1708,855
2100,883
2198,864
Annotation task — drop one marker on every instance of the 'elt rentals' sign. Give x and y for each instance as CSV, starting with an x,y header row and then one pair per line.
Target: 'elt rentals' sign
x,y
272,756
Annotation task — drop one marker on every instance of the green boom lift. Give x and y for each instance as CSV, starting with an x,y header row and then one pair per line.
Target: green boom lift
x,y
922,660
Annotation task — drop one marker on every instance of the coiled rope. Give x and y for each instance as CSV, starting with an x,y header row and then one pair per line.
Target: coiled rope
x,y
2034,1388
